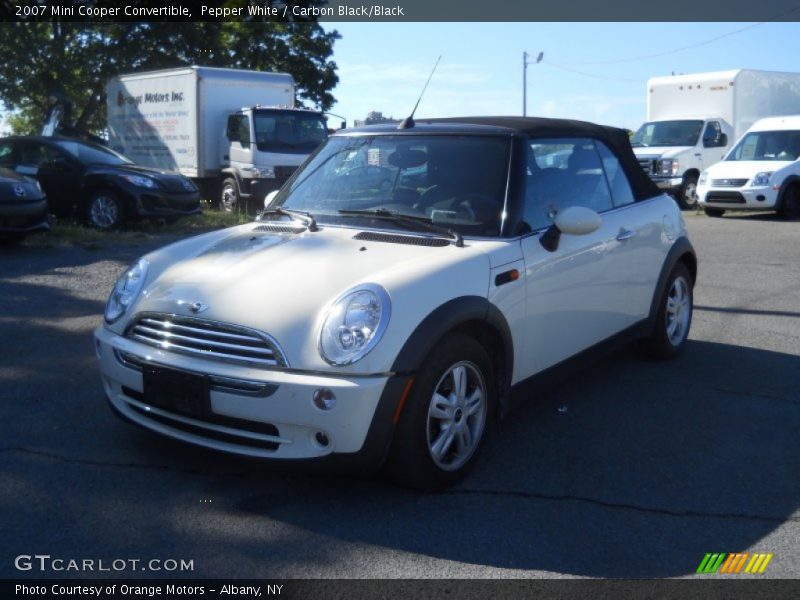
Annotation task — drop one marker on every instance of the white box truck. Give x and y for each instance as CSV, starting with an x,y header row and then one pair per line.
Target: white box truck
x,y
235,132
693,120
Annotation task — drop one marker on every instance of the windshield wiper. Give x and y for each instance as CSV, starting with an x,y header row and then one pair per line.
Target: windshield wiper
x,y
307,218
424,222
637,144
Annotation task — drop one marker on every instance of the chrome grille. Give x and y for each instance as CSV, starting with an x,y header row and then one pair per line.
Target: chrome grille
x,y
206,339
728,182
648,165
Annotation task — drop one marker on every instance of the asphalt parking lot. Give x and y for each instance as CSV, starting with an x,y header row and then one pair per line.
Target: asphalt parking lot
x,y
632,469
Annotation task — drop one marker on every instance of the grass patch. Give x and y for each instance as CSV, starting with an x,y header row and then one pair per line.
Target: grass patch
x,y
71,233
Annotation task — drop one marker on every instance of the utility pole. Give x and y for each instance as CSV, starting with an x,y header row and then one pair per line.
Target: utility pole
x,y
525,64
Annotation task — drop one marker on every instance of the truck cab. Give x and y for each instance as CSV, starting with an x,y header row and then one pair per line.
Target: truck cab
x,y
675,151
261,147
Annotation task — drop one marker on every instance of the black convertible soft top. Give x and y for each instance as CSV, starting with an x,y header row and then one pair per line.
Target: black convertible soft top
x,y
616,139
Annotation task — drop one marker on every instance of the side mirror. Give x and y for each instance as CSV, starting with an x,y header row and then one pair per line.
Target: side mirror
x,y
574,220
343,125
269,198
723,139
577,220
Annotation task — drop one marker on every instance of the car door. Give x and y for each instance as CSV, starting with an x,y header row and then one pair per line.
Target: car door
x,y
58,175
241,151
577,293
714,143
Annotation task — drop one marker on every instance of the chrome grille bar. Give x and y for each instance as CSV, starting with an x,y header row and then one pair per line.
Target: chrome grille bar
x,y
206,339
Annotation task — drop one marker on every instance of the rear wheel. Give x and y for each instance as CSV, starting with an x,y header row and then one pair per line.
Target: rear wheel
x,y
444,422
105,210
687,196
790,203
714,212
674,317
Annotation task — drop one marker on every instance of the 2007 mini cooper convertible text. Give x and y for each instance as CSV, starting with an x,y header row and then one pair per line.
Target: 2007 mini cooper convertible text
x,y
398,293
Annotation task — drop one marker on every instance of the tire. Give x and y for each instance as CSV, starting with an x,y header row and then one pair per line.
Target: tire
x,y
230,201
674,317
687,196
423,455
790,203
105,211
714,212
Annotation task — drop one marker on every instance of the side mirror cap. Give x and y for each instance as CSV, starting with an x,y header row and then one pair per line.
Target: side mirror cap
x,y
269,198
577,220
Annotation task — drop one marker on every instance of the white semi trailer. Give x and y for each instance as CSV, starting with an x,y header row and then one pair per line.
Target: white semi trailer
x,y
237,133
693,120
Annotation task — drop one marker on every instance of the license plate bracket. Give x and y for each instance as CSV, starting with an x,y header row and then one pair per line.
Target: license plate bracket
x,y
177,391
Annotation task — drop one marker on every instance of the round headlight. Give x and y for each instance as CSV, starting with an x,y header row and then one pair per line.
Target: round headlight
x,y
354,324
125,291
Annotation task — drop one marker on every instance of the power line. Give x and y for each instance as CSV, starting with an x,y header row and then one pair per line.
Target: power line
x,y
550,63
683,48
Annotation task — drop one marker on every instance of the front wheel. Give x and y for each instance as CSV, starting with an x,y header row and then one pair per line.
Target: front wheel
x,y
674,317
687,196
790,204
230,199
105,211
444,422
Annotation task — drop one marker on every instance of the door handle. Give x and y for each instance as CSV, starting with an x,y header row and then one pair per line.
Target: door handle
x,y
625,234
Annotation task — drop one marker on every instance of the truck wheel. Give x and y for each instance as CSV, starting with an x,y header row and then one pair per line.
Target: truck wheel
x,y
687,196
790,203
714,212
229,199
105,210
446,416
674,317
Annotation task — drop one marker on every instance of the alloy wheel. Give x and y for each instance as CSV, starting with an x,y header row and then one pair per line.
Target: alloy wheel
x,y
456,416
679,311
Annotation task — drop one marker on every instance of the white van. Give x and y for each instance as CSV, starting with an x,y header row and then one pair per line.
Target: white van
x,y
692,121
761,172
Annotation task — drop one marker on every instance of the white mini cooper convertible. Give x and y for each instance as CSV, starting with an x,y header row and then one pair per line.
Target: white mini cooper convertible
x,y
402,290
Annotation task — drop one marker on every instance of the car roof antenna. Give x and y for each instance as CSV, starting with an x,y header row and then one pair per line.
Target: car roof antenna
x,y
408,122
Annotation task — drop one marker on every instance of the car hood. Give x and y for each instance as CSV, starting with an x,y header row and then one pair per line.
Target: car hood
x,y
9,176
660,151
739,169
282,283
134,170
15,187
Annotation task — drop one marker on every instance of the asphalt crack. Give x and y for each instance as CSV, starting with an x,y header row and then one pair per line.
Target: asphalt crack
x,y
621,505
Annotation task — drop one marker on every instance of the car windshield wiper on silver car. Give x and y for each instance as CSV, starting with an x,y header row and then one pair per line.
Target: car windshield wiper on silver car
x,y
423,222
307,218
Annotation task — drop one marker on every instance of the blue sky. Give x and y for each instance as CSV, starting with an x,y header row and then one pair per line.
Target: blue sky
x,y
383,66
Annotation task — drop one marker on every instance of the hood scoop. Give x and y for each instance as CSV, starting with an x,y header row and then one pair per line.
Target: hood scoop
x,y
279,228
391,238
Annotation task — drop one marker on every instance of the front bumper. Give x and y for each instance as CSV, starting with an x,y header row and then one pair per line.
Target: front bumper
x,y
24,217
279,421
148,203
671,185
745,198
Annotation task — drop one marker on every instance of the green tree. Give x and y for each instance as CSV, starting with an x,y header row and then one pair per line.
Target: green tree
x,y
76,59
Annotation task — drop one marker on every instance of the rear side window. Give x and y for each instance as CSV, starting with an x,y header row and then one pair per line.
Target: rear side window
x,y
6,154
562,173
621,193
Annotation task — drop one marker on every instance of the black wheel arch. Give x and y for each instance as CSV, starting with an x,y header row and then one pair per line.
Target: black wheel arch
x,y
472,315
92,185
681,251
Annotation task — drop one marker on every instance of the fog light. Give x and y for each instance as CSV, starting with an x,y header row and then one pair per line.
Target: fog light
x,y
324,399
760,198
322,439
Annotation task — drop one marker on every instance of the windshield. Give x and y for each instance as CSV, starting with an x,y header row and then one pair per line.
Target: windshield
x,y
767,145
667,133
289,131
91,154
456,181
